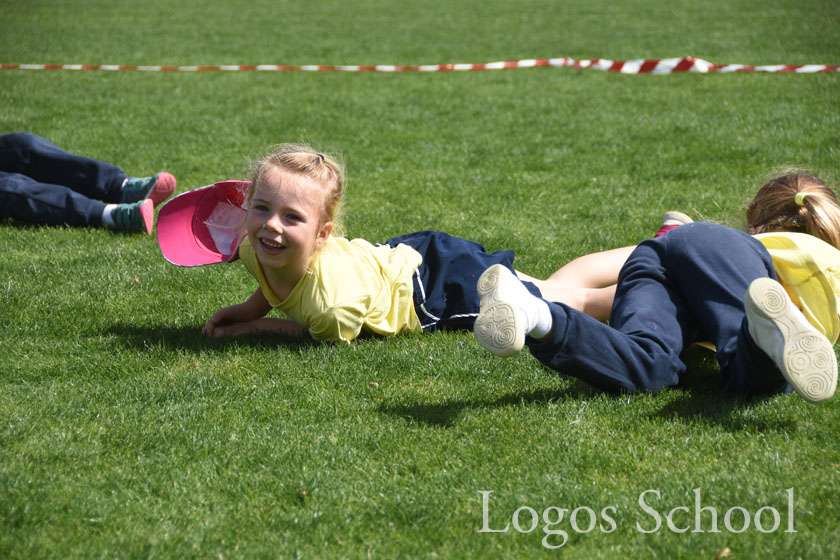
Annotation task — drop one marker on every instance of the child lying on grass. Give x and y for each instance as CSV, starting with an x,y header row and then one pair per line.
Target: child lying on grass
x,y
42,184
768,302
285,226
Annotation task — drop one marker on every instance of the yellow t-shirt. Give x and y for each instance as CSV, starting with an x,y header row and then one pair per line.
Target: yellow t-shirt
x,y
350,286
809,269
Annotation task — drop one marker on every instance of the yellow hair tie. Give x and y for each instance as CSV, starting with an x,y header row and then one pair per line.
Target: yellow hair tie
x,y
799,199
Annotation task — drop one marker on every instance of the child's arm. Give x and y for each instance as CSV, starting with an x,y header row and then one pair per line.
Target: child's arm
x,y
595,302
286,327
596,270
247,317
586,283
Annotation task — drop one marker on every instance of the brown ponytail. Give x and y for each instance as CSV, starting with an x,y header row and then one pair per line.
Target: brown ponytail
x,y
796,202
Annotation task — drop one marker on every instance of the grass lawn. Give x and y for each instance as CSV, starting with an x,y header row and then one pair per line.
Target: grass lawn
x,y
124,433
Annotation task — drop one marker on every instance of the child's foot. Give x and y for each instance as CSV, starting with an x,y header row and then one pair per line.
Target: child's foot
x,y
157,188
672,220
804,356
507,312
135,217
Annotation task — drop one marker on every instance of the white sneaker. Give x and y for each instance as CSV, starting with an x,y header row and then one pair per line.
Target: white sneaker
x,y
804,356
675,218
504,318
672,220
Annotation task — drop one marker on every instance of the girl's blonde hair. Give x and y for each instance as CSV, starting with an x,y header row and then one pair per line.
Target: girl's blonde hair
x,y
797,202
324,169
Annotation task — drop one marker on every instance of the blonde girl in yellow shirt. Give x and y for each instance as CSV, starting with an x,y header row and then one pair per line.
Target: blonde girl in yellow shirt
x,y
329,287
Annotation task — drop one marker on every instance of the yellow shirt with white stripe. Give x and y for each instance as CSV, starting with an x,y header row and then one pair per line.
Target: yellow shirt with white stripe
x,y
350,286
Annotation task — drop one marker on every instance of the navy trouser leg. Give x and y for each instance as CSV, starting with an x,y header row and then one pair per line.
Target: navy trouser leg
x,y
30,155
446,282
642,355
24,199
685,286
714,266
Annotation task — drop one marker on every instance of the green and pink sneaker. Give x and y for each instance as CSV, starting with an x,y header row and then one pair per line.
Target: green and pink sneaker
x,y
157,188
134,217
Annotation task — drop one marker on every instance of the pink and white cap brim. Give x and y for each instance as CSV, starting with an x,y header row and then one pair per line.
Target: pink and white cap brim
x,y
203,226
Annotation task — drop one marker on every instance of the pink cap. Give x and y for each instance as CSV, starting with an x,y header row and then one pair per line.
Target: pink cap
x,y
203,226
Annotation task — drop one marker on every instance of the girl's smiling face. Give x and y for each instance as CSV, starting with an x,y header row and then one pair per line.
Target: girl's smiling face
x,y
284,223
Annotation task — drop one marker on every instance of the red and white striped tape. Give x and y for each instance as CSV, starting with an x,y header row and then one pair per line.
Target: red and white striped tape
x,y
645,66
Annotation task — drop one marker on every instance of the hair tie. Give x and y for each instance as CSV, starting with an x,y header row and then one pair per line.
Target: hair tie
x,y
799,199
320,156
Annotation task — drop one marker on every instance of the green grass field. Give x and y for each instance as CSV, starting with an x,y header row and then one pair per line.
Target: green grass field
x,y
125,434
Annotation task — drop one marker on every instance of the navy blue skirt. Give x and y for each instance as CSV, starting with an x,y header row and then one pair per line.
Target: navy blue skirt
x,y
445,284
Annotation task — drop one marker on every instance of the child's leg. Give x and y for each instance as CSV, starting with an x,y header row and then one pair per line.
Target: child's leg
x,y
690,282
22,198
446,296
713,266
31,155
642,356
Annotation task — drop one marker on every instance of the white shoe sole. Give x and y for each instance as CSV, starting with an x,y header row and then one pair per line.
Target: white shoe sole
x,y
500,326
676,218
806,358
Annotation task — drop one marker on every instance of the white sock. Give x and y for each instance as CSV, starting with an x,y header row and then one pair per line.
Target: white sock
x,y
537,313
508,288
544,320
538,318
107,218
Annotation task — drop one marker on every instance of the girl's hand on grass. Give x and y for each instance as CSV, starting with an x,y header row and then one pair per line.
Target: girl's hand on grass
x,y
224,320
264,324
212,327
229,329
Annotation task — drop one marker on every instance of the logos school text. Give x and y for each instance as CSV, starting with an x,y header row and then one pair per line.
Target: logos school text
x,y
556,522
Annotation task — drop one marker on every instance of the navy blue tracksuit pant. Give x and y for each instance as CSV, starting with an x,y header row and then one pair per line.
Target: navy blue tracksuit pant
x,y
41,183
446,282
686,286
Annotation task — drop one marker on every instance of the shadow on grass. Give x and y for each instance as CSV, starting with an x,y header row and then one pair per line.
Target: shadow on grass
x,y
710,405
189,338
700,399
704,404
703,400
721,409
11,223
445,414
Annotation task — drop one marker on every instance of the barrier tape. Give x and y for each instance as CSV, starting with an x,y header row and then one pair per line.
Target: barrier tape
x,y
645,66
